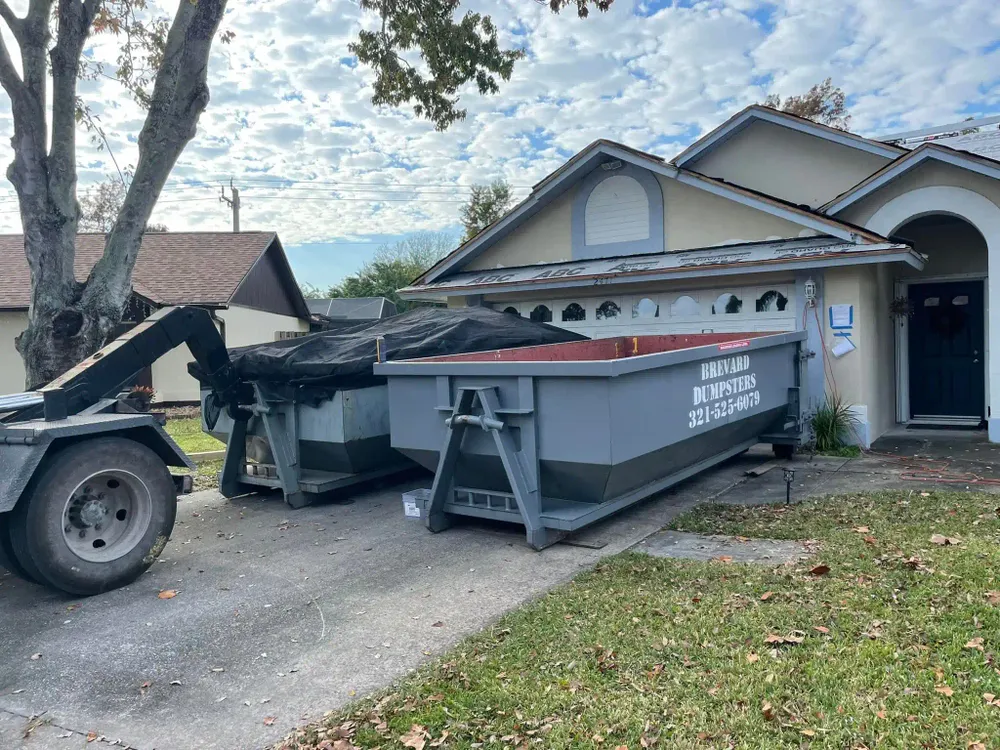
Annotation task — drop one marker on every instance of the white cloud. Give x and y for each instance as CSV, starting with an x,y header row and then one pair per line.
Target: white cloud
x,y
290,108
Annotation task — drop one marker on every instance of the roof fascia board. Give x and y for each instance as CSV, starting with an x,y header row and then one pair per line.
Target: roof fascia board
x,y
910,257
949,128
903,165
722,134
802,218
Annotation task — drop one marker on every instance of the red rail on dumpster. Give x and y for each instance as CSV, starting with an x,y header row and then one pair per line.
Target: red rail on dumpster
x,y
619,347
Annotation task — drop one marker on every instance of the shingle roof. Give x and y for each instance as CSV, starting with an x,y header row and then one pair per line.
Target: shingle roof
x,y
173,268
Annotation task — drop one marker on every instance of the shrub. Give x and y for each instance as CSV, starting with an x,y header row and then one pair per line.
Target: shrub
x,y
832,425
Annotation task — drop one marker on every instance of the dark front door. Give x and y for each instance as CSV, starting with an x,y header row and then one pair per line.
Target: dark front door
x,y
946,350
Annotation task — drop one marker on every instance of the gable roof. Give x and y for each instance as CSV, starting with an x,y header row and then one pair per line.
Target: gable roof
x,y
565,177
910,160
760,113
173,268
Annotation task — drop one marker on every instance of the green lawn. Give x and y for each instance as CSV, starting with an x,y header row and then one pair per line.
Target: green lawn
x,y
188,435
893,647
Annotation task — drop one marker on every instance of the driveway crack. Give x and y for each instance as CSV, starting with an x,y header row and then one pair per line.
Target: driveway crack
x,y
34,722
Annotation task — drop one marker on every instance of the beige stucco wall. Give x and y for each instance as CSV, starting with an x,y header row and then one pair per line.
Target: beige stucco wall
x,y
785,163
243,326
11,366
865,377
925,175
546,238
692,218
696,218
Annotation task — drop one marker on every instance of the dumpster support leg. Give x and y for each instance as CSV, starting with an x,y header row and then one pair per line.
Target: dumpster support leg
x,y
232,466
437,518
521,467
284,454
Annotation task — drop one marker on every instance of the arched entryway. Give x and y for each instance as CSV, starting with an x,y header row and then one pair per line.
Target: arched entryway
x,y
944,374
941,371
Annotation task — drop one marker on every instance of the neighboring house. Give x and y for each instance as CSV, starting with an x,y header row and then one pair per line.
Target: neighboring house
x,y
343,312
728,237
243,278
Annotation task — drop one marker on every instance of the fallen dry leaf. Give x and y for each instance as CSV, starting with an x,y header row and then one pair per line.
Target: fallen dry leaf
x,y
752,657
976,643
438,624
821,629
991,700
820,570
944,690
167,594
795,637
993,597
91,736
976,746
269,720
768,710
871,540
415,738
35,657
807,732
724,558
766,595
862,529
945,541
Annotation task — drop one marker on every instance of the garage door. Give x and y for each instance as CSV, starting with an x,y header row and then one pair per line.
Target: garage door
x,y
721,310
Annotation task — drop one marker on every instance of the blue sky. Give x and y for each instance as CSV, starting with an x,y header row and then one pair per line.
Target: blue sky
x,y
291,121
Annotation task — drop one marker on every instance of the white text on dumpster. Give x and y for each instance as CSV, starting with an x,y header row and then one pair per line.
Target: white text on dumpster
x,y
732,390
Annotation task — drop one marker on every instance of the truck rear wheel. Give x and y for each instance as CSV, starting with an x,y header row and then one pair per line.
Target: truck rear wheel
x,y
7,559
97,517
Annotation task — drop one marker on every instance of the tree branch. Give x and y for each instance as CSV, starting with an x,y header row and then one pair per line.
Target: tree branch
x,y
9,78
180,95
13,21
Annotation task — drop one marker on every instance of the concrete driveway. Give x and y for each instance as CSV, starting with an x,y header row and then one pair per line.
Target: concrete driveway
x,y
288,614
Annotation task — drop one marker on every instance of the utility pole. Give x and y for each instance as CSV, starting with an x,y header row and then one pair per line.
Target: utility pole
x,y
233,202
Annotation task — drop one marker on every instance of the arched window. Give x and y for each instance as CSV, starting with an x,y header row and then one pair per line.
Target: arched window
x,y
685,306
608,310
541,314
573,313
727,303
617,211
512,311
772,301
645,308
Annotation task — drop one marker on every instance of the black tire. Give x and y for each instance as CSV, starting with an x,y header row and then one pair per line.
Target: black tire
x,y
7,559
783,451
38,522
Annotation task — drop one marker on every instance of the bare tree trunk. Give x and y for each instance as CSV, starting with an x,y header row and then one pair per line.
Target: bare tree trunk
x,y
69,320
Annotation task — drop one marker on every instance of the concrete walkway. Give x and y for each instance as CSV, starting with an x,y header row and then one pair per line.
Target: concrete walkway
x,y
288,614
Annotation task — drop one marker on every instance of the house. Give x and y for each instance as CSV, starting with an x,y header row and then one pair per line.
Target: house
x,y
243,278
887,256
343,312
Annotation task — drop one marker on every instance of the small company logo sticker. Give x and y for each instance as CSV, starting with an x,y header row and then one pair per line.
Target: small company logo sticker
x,y
734,345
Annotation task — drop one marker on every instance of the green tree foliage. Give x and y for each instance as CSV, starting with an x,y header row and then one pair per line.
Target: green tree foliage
x,y
487,203
395,266
823,103
423,53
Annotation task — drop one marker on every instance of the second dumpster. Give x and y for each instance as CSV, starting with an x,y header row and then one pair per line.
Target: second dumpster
x,y
557,437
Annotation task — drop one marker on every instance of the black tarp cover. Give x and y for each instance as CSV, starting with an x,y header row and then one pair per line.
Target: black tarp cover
x,y
344,358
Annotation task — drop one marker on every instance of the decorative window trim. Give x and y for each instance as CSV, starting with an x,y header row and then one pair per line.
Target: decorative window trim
x,y
654,195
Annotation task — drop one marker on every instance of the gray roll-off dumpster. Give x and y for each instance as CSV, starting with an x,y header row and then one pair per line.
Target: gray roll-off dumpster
x,y
557,437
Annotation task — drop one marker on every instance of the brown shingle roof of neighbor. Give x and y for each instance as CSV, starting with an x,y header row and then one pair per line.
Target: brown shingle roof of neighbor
x,y
173,268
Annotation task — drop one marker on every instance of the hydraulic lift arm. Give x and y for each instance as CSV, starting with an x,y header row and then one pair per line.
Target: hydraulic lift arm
x,y
105,373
